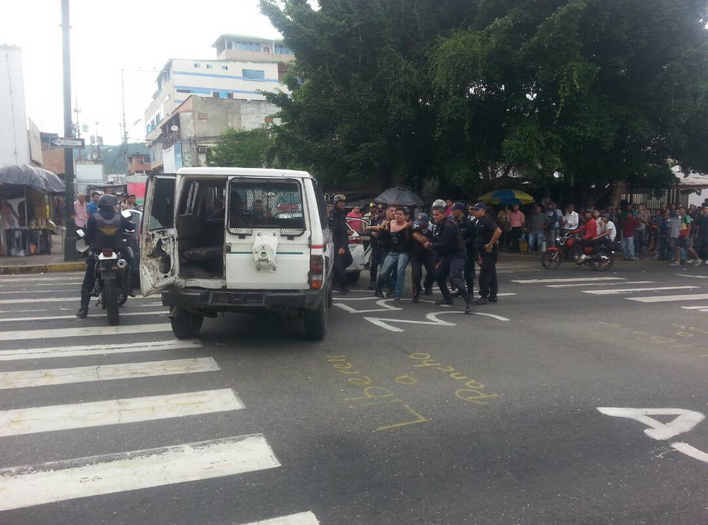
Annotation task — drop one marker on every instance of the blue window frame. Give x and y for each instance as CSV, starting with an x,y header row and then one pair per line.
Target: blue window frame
x,y
253,74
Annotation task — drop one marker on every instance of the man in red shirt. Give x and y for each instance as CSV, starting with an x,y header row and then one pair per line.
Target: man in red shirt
x,y
589,229
629,226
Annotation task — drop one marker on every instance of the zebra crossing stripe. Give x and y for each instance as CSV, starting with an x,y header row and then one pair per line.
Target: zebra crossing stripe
x,y
86,331
669,298
68,299
55,481
13,311
28,291
95,350
92,316
574,280
633,290
27,278
694,307
303,518
579,285
116,411
86,374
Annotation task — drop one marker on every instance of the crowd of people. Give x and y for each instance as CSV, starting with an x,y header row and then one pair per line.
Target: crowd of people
x,y
83,209
445,248
673,233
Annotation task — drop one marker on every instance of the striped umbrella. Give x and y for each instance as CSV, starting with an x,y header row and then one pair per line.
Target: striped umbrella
x,y
506,197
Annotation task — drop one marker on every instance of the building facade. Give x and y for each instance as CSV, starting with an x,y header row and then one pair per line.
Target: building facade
x,y
198,122
245,67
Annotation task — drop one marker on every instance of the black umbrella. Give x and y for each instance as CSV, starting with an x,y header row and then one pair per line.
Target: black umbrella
x,y
399,196
38,179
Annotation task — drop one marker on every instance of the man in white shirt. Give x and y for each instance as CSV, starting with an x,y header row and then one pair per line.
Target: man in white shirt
x,y
606,231
570,219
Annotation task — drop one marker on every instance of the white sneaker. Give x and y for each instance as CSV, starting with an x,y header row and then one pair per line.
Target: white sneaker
x,y
675,264
697,262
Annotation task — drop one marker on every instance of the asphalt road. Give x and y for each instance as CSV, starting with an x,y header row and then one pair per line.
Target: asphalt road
x,y
411,415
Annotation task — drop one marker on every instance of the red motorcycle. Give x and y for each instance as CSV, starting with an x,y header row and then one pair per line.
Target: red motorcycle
x,y
565,250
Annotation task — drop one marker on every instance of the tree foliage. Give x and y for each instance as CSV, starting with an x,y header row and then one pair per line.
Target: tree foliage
x,y
241,148
469,91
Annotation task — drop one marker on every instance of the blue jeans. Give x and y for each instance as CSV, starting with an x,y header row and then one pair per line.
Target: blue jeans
x,y
399,261
639,238
628,247
536,241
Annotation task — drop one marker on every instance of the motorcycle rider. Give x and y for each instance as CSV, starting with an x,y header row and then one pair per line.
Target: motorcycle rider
x,y
590,231
104,230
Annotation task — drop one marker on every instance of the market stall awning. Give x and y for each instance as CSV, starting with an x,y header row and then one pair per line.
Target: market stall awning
x,y
38,179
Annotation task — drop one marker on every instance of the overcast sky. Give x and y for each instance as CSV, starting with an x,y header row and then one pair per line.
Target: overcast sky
x,y
108,36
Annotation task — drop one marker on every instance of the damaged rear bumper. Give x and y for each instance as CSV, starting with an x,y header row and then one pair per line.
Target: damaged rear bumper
x,y
242,301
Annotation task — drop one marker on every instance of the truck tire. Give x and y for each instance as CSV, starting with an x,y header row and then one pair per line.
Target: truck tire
x,y
316,321
110,300
186,325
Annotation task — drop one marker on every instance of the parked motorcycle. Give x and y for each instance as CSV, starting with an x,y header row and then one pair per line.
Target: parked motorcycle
x,y
565,250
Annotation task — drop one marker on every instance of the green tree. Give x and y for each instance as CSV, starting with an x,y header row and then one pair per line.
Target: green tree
x,y
240,148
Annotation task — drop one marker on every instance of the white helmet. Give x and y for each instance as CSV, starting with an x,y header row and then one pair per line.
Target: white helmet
x,y
439,204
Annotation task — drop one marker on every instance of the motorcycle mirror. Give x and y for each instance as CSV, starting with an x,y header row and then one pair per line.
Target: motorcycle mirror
x,y
81,246
126,214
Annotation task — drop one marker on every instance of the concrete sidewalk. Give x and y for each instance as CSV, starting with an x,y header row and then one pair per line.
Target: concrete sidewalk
x,y
39,264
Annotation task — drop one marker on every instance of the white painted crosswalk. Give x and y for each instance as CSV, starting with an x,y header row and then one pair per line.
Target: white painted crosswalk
x,y
30,485
68,340
568,280
85,374
83,331
116,412
588,284
669,298
636,290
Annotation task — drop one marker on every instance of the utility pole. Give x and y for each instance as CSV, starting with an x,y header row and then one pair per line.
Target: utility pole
x,y
70,253
78,125
125,128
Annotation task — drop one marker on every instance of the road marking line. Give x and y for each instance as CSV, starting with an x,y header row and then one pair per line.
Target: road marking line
x,y
87,331
59,277
434,316
96,350
691,451
508,294
632,290
27,292
693,276
87,374
694,307
578,285
142,305
575,280
116,411
92,316
432,320
668,298
304,518
98,475
72,299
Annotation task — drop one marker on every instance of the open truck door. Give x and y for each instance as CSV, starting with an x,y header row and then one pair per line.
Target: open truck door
x,y
159,260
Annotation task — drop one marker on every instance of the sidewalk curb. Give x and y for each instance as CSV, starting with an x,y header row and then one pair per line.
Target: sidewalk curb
x,y
43,268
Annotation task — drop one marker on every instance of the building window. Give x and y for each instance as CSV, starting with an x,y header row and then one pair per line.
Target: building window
x,y
266,49
184,91
253,74
197,65
247,46
225,68
229,95
209,66
215,94
282,50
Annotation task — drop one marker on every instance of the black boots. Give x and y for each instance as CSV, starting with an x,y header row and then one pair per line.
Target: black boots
x,y
83,310
469,310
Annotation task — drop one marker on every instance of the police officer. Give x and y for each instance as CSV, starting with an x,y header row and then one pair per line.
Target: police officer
x,y
488,234
422,257
468,230
340,238
451,249
104,230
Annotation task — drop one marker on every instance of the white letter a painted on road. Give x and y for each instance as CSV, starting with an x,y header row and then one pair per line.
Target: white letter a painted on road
x,y
685,420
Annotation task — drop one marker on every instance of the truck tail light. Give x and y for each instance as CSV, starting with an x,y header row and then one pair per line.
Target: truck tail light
x,y
317,270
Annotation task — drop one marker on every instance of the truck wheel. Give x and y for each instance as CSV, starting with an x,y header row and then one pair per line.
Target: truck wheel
x,y
110,298
185,325
316,321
